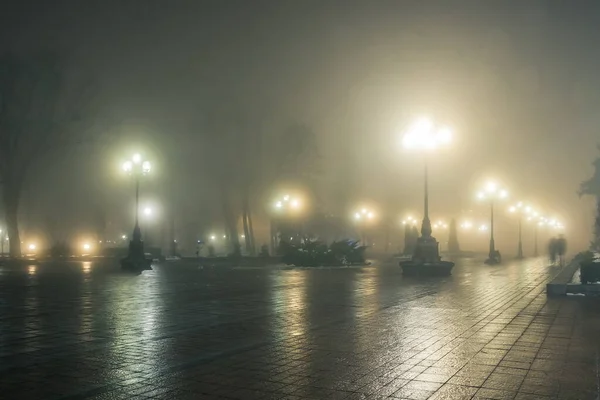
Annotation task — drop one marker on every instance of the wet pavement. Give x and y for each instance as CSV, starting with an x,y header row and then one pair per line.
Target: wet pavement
x,y
85,331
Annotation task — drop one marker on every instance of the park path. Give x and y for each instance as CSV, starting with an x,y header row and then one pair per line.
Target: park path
x,y
83,330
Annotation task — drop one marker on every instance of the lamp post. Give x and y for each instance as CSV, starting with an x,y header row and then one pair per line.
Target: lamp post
x,y
519,210
363,216
135,259
491,193
286,205
425,137
438,226
534,217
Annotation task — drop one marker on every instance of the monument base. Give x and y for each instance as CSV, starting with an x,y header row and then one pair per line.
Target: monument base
x,y
493,258
426,260
136,260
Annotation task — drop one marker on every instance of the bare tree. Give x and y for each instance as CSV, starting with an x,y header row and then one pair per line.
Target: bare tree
x,y
37,109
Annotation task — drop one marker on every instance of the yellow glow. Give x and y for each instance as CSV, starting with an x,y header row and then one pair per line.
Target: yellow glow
x,y
127,166
295,203
512,209
466,225
137,158
32,246
286,197
423,135
279,204
491,187
86,246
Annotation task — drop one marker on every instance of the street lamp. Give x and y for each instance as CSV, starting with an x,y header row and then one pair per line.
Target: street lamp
x,y
538,221
425,137
492,192
409,220
286,205
519,209
135,260
363,217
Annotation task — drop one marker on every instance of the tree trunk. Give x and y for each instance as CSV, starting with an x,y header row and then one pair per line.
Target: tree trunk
x,y
247,220
230,220
12,193
246,230
251,231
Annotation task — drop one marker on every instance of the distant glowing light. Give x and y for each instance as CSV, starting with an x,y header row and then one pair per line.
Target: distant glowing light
x,y
423,135
147,211
123,237
137,158
127,166
32,246
212,237
286,197
224,236
279,204
295,204
86,246
243,236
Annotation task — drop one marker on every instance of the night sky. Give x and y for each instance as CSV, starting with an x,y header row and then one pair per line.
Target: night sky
x,y
516,80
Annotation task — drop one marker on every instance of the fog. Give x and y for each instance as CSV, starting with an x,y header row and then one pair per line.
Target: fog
x,y
212,92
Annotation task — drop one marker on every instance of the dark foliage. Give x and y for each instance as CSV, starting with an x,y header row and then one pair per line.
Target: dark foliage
x,y
211,250
236,253
264,251
61,249
313,253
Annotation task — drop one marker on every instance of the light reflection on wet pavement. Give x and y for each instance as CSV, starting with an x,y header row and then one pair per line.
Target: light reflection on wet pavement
x,y
84,330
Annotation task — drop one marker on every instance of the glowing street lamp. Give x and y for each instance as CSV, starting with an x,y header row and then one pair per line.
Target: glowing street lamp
x,y
363,217
492,192
466,225
136,260
286,205
425,137
409,220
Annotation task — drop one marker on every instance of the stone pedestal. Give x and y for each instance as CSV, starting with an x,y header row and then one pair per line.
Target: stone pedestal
x,y
426,259
136,260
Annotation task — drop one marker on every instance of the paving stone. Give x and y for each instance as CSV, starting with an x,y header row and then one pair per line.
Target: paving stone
x,y
71,332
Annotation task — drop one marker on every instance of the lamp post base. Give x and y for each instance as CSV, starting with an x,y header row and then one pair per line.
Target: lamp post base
x,y
136,261
493,258
426,260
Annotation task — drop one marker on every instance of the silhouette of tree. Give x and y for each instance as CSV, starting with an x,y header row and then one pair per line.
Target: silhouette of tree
x,y
453,246
38,109
591,187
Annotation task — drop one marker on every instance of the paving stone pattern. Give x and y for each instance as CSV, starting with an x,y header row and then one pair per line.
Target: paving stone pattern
x,y
86,331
